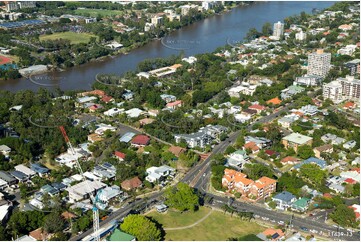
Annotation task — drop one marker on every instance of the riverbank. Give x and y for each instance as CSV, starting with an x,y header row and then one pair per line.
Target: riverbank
x,y
207,35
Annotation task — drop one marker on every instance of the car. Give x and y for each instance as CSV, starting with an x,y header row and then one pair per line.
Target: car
x,y
281,222
310,215
256,216
273,221
304,229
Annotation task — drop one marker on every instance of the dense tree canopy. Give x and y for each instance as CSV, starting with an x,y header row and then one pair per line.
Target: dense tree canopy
x,y
344,216
182,197
141,227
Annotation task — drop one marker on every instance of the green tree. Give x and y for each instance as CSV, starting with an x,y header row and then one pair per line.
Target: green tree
x,y
267,29
305,151
256,171
54,222
182,197
344,216
141,227
313,173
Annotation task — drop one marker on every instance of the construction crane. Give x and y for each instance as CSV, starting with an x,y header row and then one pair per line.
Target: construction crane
x,y
95,199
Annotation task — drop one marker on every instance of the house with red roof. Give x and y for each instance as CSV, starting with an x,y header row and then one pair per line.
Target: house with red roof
x,y
257,107
107,99
349,105
95,107
272,153
140,140
96,92
274,101
350,181
119,155
289,160
131,184
252,146
174,105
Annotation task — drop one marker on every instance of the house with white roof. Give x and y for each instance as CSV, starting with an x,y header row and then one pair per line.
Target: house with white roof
x,y
5,150
159,173
113,112
101,128
238,159
134,112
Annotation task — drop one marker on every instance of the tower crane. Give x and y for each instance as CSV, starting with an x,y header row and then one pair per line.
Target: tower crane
x,y
93,199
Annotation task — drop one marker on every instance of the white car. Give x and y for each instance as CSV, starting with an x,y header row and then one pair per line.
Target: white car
x,y
265,218
256,216
281,222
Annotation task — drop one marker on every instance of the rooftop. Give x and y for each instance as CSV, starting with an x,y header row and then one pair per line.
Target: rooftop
x,y
297,138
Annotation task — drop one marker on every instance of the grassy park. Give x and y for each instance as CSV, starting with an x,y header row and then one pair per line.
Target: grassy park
x,y
75,38
96,12
217,226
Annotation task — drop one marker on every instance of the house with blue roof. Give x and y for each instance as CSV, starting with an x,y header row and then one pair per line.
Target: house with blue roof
x,y
39,169
312,160
284,200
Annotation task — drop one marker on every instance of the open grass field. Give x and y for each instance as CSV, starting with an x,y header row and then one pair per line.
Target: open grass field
x,y
4,60
75,38
96,12
217,226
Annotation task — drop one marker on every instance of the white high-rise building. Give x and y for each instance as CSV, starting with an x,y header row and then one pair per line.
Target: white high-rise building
x,y
301,36
333,91
350,87
278,29
319,63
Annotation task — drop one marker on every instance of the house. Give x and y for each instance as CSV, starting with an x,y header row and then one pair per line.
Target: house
x,y
159,173
289,160
128,96
118,235
82,190
95,138
4,213
119,155
328,148
272,153
296,237
353,174
349,145
109,193
257,107
134,112
47,189
238,159
198,139
127,137
18,175
101,128
174,105
271,234
146,121
291,91
168,98
301,205
274,101
251,146
25,170
287,121
9,179
5,150
312,160
113,112
295,139
309,110
85,99
349,105
284,200
39,234
261,142
176,150
337,188
335,140
140,140
131,184
107,99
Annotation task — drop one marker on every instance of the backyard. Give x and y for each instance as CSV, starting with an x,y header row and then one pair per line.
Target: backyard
x,y
205,224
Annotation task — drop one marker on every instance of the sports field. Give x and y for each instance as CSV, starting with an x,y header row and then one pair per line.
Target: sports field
x,y
75,38
4,60
96,12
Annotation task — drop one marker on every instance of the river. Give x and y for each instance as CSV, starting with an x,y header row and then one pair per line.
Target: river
x,y
200,37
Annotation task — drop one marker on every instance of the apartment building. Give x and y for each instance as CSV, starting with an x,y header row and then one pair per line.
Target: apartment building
x,y
295,139
350,87
308,80
157,20
319,63
255,190
347,50
332,91
301,36
278,29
